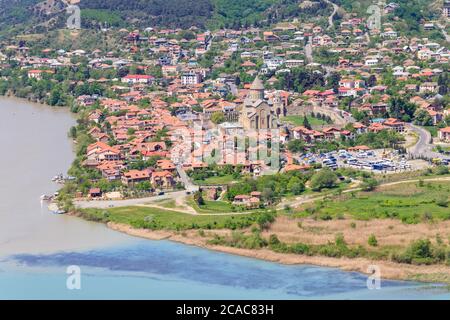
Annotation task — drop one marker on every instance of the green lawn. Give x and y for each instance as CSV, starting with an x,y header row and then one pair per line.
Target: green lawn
x,y
211,206
410,203
298,120
157,219
217,180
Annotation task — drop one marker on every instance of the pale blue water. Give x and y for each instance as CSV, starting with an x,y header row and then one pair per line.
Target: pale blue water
x,y
142,269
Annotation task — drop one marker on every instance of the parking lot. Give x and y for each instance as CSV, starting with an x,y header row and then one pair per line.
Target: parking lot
x,y
377,161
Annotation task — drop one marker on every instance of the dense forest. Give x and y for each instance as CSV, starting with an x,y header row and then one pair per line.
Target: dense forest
x,y
180,13
23,15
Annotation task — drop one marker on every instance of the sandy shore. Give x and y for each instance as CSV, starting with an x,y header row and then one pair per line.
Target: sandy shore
x,y
389,270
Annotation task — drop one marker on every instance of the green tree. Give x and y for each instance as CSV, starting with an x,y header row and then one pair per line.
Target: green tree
x,y
198,198
306,123
423,118
325,178
295,185
369,184
218,117
296,145
372,241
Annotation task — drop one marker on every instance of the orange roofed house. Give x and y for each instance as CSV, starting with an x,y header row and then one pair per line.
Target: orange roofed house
x,y
163,179
135,176
100,151
444,134
247,200
395,124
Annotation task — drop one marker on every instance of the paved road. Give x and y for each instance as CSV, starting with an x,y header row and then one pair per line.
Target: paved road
x,y
308,51
331,17
423,147
177,196
105,204
188,185
234,89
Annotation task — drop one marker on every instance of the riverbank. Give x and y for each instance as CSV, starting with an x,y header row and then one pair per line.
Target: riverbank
x,y
401,227
389,270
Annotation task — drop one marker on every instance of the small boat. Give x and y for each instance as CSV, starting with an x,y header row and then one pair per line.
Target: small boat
x,y
58,177
46,197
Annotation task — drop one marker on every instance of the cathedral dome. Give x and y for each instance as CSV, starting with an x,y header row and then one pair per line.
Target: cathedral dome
x,y
256,90
257,84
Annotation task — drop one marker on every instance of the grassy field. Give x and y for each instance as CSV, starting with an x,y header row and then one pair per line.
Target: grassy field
x,y
298,120
227,179
158,219
211,206
169,204
411,203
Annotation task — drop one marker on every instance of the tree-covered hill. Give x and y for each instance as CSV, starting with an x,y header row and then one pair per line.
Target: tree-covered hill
x,y
29,15
35,16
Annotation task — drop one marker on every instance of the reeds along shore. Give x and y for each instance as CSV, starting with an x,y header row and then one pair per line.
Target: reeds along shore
x,y
389,270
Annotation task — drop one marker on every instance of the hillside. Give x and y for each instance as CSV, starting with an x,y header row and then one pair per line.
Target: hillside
x,y
34,16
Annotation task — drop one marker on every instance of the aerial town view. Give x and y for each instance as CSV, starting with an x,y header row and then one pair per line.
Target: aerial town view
x,y
224,149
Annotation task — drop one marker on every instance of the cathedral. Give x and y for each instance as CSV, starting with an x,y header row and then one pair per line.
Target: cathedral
x,y
257,112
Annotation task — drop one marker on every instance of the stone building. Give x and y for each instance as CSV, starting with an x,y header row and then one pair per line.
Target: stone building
x,y
257,112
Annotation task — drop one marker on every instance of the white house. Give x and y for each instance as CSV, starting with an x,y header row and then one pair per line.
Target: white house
x,y
191,78
371,62
137,78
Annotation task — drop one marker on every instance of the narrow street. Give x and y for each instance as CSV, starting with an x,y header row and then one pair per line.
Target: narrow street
x,y
308,51
188,185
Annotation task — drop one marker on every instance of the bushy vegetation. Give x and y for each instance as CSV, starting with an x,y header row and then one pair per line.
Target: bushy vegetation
x,y
418,252
272,187
159,219
411,203
214,174
300,80
325,178
423,252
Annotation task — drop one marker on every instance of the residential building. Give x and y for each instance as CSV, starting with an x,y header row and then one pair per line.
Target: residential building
x,y
444,134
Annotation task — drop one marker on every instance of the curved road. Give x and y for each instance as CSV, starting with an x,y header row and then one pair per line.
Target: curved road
x,y
330,18
423,147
